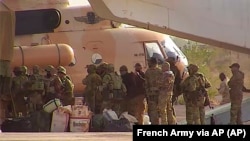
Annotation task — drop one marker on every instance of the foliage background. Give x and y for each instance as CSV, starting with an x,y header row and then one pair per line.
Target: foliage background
x,y
214,60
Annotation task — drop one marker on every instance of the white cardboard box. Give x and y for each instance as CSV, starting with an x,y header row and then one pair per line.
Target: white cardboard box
x,y
78,124
79,100
80,111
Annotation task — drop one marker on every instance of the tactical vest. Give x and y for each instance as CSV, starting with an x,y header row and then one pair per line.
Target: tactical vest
x,y
202,81
18,82
167,83
37,82
153,76
190,84
116,82
116,87
68,86
49,85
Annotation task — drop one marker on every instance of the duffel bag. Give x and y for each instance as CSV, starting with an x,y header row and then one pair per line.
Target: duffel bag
x,y
121,125
22,124
97,123
52,105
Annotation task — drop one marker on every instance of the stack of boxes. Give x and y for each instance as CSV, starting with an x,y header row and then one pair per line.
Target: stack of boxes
x,y
80,116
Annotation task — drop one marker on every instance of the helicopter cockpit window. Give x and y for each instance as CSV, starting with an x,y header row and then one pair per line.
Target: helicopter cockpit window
x,y
153,50
37,21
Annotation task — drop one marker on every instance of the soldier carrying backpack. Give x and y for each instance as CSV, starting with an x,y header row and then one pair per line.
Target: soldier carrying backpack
x,y
66,95
113,90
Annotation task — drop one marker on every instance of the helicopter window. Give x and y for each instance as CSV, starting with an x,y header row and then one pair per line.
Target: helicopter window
x,y
170,46
153,50
37,21
96,58
178,50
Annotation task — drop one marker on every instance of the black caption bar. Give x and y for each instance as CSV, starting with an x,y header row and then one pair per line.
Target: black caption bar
x,y
192,132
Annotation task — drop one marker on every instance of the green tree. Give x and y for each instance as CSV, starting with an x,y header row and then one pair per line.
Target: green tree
x,y
202,55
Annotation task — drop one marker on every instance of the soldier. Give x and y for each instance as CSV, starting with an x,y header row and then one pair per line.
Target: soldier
x,y
19,89
15,82
66,91
114,90
178,78
128,80
50,83
224,89
203,84
8,106
24,71
139,100
37,89
165,97
194,89
92,93
152,76
236,84
102,69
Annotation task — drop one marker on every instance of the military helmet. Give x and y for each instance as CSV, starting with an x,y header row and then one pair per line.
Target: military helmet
x,y
23,69
36,67
91,67
111,67
61,69
49,68
103,65
123,68
193,67
166,64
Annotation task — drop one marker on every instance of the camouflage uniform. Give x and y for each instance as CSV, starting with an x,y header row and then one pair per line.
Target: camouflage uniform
x,y
203,85
165,97
236,84
193,96
92,82
66,92
102,69
177,82
6,108
37,89
109,90
152,76
19,89
49,82
178,78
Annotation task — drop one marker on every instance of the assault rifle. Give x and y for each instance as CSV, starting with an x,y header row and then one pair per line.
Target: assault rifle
x,y
203,92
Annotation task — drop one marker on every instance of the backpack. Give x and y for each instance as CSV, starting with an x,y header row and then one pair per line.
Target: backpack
x,y
67,84
120,125
117,87
116,81
97,123
106,123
